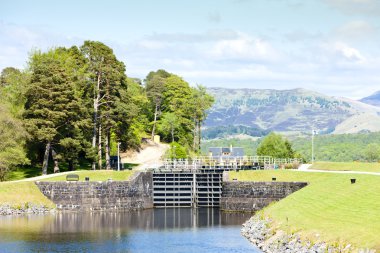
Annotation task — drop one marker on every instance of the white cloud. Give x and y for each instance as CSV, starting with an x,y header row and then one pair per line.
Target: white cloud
x,y
356,7
349,53
356,30
243,48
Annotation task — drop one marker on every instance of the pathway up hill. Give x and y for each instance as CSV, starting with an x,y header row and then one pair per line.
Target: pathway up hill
x,y
329,209
151,154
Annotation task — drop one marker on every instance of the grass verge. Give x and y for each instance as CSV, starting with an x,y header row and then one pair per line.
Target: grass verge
x,y
347,166
97,175
330,209
17,194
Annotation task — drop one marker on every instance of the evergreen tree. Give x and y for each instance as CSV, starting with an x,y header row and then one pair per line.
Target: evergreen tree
x,y
51,104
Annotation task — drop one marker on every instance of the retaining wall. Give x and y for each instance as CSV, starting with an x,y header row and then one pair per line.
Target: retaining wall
x,y
91,196
253,196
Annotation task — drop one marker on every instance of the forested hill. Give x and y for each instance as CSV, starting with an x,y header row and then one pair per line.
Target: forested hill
x,y
297,110
73,105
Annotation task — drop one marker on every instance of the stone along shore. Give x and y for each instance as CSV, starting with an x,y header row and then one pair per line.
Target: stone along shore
x,y
28,208
259,232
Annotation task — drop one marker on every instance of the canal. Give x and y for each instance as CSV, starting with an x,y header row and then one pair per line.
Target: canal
x,y
154,230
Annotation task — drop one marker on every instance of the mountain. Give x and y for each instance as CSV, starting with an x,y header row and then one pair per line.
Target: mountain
x,y
291,111
374,99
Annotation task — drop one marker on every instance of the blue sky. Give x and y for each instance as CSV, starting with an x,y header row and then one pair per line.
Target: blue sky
x,y
330,46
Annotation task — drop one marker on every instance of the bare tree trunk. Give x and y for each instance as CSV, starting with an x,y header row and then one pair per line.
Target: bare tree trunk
x,y
46,159
96,106
155,120
54,155
100,147
172,132
199,135
108,151
195,135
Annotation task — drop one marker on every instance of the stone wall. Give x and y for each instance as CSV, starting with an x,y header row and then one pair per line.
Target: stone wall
x,y
91,196
253,196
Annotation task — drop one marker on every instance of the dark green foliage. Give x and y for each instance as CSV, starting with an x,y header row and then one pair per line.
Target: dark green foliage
x,y
178,109
77,104
276,146
337,148
177,151
12,136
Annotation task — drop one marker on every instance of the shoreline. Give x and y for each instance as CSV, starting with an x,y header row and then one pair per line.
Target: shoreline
x,y
27,208
258,231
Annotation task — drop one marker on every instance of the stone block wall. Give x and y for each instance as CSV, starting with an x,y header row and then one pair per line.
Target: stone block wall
x,y
253,196
134,194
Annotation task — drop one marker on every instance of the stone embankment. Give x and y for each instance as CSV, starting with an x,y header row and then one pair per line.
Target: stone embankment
x,y
259,232
96,196
254,196
28,208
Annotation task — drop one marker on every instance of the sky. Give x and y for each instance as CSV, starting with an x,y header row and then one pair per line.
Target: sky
x,y
329,46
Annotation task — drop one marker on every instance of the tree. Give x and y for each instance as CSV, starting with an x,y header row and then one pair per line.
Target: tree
x,y
51,105
12,90
155,87
372,152
176,151
12,136
200,103
107,75
169,124
274,145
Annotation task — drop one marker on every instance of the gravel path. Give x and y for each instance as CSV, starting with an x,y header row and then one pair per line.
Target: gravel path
x,y
150,156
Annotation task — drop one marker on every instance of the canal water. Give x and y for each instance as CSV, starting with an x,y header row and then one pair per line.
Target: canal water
x,y
156,230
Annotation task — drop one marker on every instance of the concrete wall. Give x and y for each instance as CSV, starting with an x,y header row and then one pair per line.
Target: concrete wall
x,y
253,196
91,196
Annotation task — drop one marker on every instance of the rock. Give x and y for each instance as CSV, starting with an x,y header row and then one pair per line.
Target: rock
x,y
28,208
258,232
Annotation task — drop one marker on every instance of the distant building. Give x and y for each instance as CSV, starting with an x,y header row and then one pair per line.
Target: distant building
x,y
225,152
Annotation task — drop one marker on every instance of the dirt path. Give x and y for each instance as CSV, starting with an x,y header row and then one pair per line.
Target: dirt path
x,y
150,156
306,168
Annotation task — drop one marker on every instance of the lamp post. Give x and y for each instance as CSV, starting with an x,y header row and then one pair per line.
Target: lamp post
x,y
118,156
314,132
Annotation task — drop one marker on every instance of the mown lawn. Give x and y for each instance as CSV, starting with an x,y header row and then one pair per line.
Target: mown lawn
x,y
97,175
17,194
347,166
330,208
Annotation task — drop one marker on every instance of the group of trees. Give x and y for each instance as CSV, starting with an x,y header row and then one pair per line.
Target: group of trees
x,y
76,103
364,147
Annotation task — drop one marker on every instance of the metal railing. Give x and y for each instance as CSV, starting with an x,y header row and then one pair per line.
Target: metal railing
x,y
225,163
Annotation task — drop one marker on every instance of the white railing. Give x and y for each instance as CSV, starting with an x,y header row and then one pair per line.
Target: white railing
x,y
226,162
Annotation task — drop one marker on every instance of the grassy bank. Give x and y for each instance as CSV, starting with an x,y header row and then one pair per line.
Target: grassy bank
x,y
330,208
17,194
347,166
97,175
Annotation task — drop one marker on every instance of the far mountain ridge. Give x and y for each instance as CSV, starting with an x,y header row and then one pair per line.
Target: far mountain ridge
x,y
294,110
373,99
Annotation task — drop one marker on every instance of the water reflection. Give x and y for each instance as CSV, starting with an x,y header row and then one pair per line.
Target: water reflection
x,y
126,231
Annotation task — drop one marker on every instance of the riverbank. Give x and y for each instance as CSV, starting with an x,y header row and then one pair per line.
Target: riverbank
x,y
330,209
259,232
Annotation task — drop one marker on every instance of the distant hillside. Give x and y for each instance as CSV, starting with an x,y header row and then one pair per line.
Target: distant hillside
x,y
332,147
297,110
374,99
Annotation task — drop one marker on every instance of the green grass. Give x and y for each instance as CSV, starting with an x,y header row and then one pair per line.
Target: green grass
x,y
329,209
19,193
347,166
97,175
